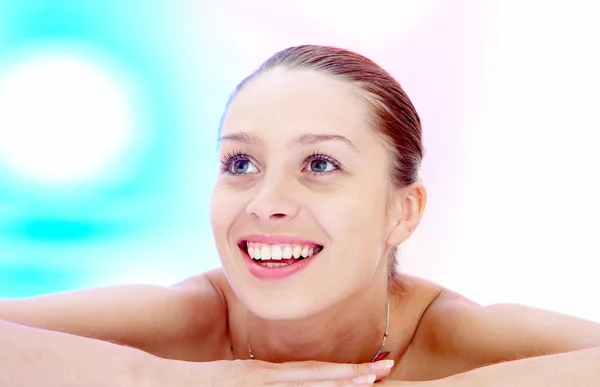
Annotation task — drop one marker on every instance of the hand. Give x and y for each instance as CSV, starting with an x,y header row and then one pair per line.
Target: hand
x,y
226,373
427,383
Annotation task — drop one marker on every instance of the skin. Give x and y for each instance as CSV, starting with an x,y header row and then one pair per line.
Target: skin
x,y
334,311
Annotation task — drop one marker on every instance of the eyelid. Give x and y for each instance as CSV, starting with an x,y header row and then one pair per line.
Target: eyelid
x,y
231,157
326,157
323,156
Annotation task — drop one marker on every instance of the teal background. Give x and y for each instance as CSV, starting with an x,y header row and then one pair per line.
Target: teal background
x,y
146,220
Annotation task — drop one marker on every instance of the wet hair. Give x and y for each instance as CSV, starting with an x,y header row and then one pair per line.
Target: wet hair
x,y
394,117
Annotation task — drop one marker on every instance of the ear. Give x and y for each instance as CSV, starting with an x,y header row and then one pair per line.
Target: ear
x,y
406,210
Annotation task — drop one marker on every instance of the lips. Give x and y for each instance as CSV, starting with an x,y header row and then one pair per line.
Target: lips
x,y
274,268
277,256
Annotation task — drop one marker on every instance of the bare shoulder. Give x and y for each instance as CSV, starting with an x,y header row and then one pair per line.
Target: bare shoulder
x,y
457,334
227,296
415,296
408,286
185,321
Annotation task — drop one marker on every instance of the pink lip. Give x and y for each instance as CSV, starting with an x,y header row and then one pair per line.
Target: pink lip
x,y
270,273
278,239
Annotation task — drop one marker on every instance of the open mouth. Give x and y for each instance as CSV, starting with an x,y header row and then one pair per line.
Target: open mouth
x,y
278,255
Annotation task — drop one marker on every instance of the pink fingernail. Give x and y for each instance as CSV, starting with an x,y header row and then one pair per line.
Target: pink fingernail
x,y
364,379
382,364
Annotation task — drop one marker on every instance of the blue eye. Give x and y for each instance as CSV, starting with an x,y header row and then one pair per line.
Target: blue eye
x,y
238,164
320,164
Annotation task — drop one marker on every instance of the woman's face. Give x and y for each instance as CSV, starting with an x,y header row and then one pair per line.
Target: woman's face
x,y
302,170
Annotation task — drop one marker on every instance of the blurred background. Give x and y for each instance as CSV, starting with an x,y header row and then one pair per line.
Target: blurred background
x,y
109,112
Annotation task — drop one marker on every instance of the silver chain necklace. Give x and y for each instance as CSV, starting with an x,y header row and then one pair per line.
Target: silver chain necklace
x,y
379,355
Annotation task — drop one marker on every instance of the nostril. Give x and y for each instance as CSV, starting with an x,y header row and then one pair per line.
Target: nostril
x,y
278,216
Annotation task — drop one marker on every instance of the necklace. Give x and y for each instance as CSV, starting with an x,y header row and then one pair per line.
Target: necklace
x,y
379,355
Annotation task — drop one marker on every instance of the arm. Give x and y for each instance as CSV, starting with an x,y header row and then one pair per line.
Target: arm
x,y
85,338
578,368
165,321
506,345
35,357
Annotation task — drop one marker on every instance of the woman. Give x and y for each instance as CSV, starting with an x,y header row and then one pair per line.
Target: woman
x,y
320,152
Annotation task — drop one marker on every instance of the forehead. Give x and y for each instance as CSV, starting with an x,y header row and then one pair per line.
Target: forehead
x,y
290,102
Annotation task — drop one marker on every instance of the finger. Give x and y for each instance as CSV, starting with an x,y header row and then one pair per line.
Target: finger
x,y
322,383
322,371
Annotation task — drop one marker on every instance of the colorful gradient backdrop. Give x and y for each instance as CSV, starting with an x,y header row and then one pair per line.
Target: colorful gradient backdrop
x,y
109,110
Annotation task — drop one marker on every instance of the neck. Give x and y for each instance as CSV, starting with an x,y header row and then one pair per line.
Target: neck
x,y
348,332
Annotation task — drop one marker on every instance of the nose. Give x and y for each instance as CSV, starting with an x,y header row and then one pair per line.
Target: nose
x,y
274,201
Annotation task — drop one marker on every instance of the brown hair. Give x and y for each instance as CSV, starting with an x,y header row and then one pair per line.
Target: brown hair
x,y
394,116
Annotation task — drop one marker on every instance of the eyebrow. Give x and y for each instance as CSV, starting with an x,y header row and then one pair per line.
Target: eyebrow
x,y
302,140
242,137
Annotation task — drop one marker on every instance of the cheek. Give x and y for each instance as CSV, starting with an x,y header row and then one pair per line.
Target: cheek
x,y
356,228
357,214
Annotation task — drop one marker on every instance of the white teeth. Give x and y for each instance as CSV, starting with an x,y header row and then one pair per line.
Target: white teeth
x,y
305,251
297,251
276,252
275,264
265,251
287,252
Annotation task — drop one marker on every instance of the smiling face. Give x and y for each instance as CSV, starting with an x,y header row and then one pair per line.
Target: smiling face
x,y
300,160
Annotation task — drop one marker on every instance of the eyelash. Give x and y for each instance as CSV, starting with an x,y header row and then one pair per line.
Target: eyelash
x,y
325,157
231,157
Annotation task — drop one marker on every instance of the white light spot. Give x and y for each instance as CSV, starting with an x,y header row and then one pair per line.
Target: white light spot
x,y
63,119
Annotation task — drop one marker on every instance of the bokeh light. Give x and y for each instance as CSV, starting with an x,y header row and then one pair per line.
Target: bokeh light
x,y
63,119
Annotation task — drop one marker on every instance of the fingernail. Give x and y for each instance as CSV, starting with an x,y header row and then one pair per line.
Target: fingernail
x,y
364,379
382,364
